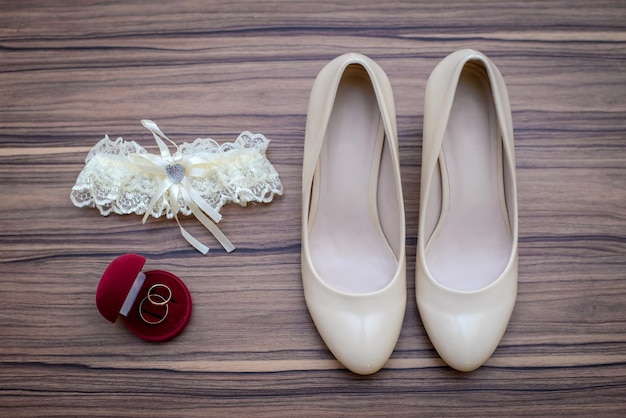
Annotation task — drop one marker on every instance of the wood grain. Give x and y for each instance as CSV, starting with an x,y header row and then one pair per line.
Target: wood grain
x,y
71,72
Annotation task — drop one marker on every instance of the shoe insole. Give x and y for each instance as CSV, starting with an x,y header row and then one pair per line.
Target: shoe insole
x,y
471,244
347,246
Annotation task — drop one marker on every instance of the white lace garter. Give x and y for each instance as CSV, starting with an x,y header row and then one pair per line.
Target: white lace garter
x,y
199,178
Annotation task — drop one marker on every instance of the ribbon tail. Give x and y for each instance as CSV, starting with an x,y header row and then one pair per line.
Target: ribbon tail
x,y
225,242
213,229
173,199
190,200
189,191
191,239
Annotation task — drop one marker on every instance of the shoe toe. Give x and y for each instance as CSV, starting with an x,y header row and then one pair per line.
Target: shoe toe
x,y
362,343
361,337
465,339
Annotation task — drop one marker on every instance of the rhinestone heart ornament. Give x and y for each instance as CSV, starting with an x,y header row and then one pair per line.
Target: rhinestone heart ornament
x,y
175,172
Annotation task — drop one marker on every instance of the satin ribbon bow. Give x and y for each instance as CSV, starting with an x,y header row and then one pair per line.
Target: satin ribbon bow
x,y
174,170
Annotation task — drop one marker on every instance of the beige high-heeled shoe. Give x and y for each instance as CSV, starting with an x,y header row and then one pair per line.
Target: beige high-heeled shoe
x,y
466,281
353,233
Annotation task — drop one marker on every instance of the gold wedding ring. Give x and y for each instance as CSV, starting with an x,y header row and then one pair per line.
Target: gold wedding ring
x,y
152,292
141,310
157,302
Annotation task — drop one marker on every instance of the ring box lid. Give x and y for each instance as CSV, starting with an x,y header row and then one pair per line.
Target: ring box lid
x,y
116,284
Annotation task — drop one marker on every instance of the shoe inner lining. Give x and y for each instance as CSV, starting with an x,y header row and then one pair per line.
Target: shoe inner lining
x,y
347,245
471,244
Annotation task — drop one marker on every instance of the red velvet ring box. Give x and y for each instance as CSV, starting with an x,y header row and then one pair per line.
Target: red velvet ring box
x,y
123,290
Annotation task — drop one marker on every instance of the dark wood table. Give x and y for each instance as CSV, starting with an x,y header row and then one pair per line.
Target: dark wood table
x,y
71,72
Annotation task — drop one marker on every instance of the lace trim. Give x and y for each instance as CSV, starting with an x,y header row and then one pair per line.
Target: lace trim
x,y
122,177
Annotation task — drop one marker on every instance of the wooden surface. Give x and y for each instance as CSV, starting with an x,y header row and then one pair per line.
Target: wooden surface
x,y
71,72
